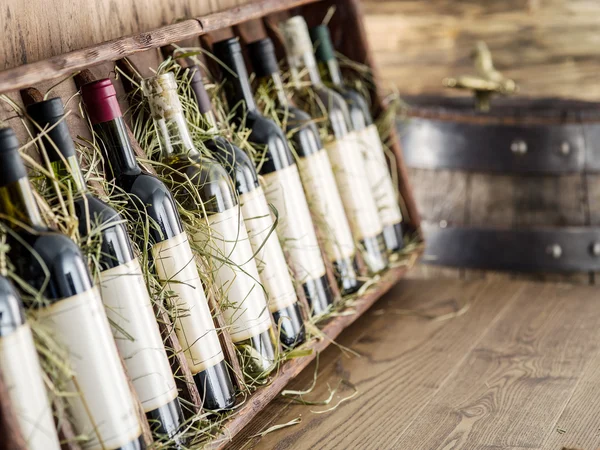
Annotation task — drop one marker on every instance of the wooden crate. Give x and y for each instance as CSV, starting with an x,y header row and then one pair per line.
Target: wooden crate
x,y
41,52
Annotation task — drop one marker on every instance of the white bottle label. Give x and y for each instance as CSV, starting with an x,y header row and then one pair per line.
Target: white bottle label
x,y
22,376
270,260
354,187
104,410
283,189
326,206
195,329
129,309
379,176
243,301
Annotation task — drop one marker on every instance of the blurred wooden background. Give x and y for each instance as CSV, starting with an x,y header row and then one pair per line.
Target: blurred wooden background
x,y
551,47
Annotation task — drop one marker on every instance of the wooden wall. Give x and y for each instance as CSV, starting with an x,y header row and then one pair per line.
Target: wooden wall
x,y
551,47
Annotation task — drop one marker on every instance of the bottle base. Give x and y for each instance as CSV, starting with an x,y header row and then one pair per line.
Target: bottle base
x,y
136,444
215,387
346,273
257,354
166,420
319,295
375,254
393,236
291,326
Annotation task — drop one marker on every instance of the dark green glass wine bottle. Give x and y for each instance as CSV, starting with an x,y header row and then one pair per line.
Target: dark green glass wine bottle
x,y
372,147
71,310
343,146
321,191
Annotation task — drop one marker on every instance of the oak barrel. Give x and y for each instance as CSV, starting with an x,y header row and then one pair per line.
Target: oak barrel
x,y
515,189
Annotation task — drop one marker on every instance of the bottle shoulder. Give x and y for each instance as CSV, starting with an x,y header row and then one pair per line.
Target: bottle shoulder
x,y
271,139
358,108
150,196
51,261
236,162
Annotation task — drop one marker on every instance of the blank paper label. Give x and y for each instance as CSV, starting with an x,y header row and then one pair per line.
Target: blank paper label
x,y
23,379
354,187
270,261
195,329
104,411
283,189
244,303
326,206
136,333
379,176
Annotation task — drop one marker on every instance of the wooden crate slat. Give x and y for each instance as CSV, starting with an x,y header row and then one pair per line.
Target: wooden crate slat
x,y
63,65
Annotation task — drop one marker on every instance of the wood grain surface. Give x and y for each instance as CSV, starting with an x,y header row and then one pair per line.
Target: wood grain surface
x,y
549,46
517,370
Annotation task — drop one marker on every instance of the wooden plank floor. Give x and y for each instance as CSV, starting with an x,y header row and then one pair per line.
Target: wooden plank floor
x,y
519,369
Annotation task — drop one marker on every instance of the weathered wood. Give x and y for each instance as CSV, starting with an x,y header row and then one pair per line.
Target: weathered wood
x,y
403,361
499,376
11,437
98,52
417,44
292,368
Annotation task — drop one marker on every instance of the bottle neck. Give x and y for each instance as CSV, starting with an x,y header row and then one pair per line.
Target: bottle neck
x,y
209,122
174,136
18,204
237,87
69,176
332,73
304,69
116,148
273,84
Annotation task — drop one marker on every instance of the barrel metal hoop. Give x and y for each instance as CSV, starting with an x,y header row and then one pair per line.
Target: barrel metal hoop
x,y
507,149
569,249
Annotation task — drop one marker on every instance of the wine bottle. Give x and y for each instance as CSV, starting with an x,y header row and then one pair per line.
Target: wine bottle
x,y
22,374
121,281
317,176
71,311
343,150
372,147
150,200
283,187
269,256
225,239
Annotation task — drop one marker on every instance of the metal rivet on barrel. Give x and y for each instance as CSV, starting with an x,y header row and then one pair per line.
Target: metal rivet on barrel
x,y
518,147
565,148
554,250
595,248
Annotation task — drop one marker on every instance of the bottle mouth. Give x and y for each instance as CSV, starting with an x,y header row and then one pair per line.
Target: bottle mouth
x,y
12,168
262,55
296,36
8,141
57,140
100,98
321,39
161,92
157,84
230,45
47,111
